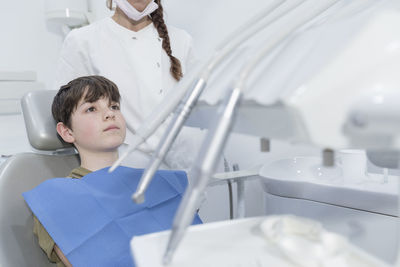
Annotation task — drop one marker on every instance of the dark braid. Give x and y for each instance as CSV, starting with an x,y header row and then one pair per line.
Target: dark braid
x,y
158,21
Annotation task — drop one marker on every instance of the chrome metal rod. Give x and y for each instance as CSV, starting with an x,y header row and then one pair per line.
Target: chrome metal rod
x,y
168,138
202,171
241,208
240,189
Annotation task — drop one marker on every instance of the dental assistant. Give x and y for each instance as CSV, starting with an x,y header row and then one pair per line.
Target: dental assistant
x,y
145,58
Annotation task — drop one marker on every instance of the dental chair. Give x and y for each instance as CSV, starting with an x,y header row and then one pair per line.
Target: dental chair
x,y
24,171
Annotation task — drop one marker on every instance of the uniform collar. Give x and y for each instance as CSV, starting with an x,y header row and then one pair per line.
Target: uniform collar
x,y
147,32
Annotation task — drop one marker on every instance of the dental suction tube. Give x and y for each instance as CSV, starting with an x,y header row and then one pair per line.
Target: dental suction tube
x,y
216,138
200,75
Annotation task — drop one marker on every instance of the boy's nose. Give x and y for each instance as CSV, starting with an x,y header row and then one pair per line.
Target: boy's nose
x,y
109,115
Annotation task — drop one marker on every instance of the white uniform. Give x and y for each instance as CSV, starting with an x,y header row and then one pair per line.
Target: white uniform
x,y
139,66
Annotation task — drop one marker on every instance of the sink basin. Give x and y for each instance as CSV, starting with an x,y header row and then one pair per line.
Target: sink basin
x,y
306,178
302,169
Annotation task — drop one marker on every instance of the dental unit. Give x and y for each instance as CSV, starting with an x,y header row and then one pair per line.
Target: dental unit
x,y
342,113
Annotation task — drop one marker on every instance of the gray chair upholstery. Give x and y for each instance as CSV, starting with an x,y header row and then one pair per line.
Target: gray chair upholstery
x,y
24,171
39,123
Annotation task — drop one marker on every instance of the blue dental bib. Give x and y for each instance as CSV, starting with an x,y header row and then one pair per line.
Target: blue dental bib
x,y
92,219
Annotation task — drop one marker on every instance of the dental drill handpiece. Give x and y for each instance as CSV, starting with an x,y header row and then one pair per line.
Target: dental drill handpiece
x,y
187,104
202,170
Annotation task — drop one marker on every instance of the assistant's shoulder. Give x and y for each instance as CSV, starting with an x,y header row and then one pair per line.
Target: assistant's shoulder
x,y
182,47
86,33
178,33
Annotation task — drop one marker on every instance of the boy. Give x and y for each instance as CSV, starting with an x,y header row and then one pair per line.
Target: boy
x,y
92,219
87,112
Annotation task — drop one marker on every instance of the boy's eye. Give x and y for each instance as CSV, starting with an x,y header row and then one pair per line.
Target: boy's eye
x,y
115,107
91,109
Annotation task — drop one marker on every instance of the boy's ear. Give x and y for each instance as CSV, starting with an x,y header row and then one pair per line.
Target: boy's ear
x,y
65,132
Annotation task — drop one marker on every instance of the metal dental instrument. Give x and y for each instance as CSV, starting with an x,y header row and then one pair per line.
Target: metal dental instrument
x,y
240,209
196,81
190,101
229,182
216,138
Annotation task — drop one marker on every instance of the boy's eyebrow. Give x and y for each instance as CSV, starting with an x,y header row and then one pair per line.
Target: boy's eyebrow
x,y
87,102
84,102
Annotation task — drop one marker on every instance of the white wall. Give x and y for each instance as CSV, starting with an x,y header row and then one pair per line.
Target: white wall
x,y
209,21
27,42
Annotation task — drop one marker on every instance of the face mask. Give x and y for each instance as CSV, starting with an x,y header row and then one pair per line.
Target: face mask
x,y
132,12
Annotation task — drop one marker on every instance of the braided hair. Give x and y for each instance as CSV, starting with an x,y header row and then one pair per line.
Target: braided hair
x,y
158,20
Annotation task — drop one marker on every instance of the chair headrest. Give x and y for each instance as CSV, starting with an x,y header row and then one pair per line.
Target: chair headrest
x,y
39,122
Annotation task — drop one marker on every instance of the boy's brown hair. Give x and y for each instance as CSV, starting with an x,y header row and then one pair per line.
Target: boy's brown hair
x,y
90,88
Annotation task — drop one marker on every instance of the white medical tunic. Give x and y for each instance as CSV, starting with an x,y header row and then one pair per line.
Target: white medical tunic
x,y
139,66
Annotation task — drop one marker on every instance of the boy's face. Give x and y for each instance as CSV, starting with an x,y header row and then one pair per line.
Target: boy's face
x,y
97,126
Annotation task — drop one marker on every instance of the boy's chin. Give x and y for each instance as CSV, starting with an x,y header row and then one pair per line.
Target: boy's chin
x,y
113,147
113,143
109,146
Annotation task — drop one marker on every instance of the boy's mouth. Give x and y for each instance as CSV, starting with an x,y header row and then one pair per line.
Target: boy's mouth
x,y
111,127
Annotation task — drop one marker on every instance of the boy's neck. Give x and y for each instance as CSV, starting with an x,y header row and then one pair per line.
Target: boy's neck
x,y
94,161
